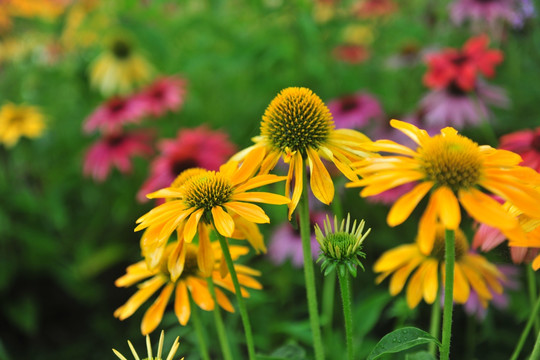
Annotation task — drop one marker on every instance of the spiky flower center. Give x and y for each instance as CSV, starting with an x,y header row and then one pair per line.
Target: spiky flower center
x,y
296,120
121,49
453,161
207,190
439,246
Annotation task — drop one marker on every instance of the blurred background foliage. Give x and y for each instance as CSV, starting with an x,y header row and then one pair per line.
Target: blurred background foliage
x,y
65,238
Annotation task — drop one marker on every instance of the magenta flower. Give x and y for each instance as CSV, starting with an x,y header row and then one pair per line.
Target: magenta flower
x,y
354,111
489,11
199,147
114,113
474,305
165,94
525,143
285,242
455,108
115,149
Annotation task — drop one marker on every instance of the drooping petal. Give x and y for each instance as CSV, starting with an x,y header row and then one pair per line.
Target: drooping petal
x,y
262,197
182,308
134,274
320,180
427,227
414,289
476,281
447,207
176,261
523,197
223,221
205,255
298,182
431,281
403,207
190,229
259,181
152,317
398,279
416,134
395,258
250,164
224,301
200,293
147,289
486,210
461,285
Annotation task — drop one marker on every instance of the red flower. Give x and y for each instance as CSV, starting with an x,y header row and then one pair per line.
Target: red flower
x,y
460,68
165,94
115,112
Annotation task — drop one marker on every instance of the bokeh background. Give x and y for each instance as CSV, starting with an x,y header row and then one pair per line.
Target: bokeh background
x,y
66,235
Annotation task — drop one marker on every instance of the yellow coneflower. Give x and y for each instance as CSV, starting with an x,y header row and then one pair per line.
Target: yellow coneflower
x,y
36,8
454,169
298,127
119,69
530,227
19,120
471,271
209,199
181,278
172,352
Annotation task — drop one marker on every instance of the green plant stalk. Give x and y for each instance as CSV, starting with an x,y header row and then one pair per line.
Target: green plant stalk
x,y
345,286
305,234
531,282
525,332
450,257
201,342
435,323
536,350
238,292
222,335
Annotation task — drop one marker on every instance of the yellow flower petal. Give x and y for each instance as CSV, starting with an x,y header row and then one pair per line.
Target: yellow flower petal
x,y
476,281
395,258
181,303
251,163
200,293
298,164
152,317
431,281
414,289
403,207
398,279
416,134
523,197
261,197
248,211
190,228
461,285
145,291
176,261
223,301
223,221
486,210
258,181
427,227
205,255
447,207
320,180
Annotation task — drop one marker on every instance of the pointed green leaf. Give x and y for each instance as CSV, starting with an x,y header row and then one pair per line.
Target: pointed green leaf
x,y
399,340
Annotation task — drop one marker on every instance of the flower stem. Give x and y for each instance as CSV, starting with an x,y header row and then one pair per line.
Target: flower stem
x,y
239,298
531,280
448,293
435,324
536,350
309,275
222,335
329,291
345,286
199,331
525,332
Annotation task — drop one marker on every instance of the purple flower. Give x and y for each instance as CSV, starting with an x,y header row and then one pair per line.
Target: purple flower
x,y
354,111
285,242
453,107
490,11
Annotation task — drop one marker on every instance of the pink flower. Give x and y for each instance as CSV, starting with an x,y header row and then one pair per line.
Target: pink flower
x,y
199,147
165,94
489,11
115,149
354,111
114,113
525,143
285,242
453,107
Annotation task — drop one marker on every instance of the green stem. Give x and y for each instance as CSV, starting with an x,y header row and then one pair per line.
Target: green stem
x,y
448,294
238,292
435,324
536,350
199,331
222,335
531,280
526,330
309,275
329,292
345,286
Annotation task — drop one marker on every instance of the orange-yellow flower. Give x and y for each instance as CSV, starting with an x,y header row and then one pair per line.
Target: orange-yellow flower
x,y
204,200
187,279
298,127
470,271
455,170
19,120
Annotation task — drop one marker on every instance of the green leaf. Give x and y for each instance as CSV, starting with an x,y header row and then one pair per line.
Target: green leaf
x,y
421,355
399,340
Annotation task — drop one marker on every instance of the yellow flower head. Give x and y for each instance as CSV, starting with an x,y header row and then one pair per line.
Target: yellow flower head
x,y
297,126
36,8
528,226
120,69
179,277
203,200
17,121
470,271
454,169
172,352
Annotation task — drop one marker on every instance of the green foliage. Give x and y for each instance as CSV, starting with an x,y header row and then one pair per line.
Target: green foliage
x,y
399,340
